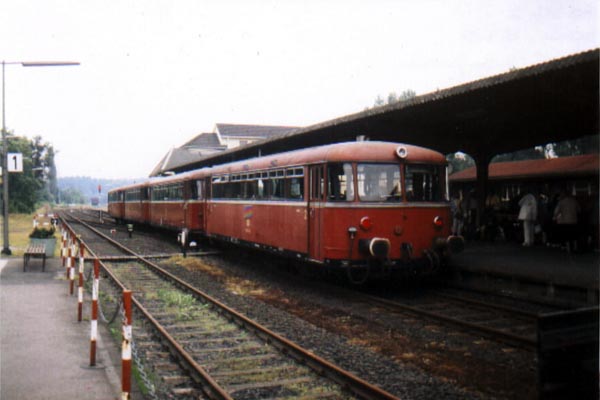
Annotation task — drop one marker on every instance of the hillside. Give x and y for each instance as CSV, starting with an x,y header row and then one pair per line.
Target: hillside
x,y
88,187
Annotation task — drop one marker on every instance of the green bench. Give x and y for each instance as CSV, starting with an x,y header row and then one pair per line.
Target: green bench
x,y
34,251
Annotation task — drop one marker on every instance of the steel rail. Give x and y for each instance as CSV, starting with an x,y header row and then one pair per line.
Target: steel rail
x,y
528,314
523,340
349,381
210,387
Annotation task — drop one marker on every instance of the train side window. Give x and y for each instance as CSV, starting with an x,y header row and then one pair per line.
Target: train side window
x,y
198,193
295,188
294,183
340,185
423,183
250,189
277,190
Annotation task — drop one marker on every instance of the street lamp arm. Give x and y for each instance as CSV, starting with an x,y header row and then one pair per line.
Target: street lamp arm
x,y
49,63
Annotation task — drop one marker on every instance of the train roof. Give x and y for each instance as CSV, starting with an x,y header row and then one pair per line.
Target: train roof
x,y
366,151
583,165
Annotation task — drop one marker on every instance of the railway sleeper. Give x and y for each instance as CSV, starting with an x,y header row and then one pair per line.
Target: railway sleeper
x,y
185,391
255,347
233,340
256,371
158,354
232,362
165,366
193,324
175,380
223,331
234,389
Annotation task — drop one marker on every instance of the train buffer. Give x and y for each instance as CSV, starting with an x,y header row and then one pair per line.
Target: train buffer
x,y
34,251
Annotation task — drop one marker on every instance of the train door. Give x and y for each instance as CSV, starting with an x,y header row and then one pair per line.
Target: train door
x,y
201,186
145,200
315,210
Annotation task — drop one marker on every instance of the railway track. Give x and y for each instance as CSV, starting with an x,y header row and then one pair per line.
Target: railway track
x,y
225,355
495,321
505,324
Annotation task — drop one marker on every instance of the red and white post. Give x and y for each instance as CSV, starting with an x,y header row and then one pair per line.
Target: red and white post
x,y
80,287
95,291
63,248
126,347
72,270
68,264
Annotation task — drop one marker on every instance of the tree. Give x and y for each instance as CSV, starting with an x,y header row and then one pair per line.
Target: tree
x,y
28,188
583,145
52,173
535,153
71,196
459,161
392,97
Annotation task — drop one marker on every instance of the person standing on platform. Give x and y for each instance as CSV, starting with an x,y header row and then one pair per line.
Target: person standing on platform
x,y
528,214
456,208
565,215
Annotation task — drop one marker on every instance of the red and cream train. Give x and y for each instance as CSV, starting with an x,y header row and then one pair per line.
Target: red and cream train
x,y
363,206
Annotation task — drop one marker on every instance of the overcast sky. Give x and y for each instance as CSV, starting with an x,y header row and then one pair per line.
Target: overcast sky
x,y
155,73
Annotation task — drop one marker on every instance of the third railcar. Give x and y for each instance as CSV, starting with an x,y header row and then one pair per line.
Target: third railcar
x,y
363,206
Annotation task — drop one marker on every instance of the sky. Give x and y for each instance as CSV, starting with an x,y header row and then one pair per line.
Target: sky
x,y
155,73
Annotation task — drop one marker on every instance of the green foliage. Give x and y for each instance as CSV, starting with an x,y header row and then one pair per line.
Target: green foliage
x,y
459,161
535,153
184,305
583,145
42,233
29,188
392,98
87,187
71,196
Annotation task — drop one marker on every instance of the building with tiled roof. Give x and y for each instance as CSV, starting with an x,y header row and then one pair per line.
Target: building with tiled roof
x,y
223,137
235,135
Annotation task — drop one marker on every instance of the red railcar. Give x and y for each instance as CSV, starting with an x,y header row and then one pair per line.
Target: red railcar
x,y
363,206
116,204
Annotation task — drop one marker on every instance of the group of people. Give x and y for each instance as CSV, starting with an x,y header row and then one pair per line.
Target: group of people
x,y
564,218
553,220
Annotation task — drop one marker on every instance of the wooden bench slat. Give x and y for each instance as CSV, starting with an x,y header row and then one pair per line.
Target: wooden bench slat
x,y
34,251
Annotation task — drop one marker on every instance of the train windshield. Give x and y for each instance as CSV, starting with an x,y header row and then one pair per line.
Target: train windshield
x,y
379,182
424,183
340,182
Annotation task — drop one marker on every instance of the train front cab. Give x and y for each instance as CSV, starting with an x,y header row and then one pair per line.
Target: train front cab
x,y
137,207
116,204
379,216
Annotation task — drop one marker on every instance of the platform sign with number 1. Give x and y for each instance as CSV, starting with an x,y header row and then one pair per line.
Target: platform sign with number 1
x,y
15,162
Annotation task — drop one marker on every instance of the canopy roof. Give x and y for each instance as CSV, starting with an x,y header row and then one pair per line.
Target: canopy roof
x,y
548,102
584,165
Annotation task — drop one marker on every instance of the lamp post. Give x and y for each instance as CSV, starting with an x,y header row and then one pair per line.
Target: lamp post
x,y
6,246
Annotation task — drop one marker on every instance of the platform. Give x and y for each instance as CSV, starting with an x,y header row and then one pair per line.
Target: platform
x,y
548,263
44,351
539,264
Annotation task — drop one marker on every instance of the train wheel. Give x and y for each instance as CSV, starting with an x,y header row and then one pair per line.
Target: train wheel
x,y
358,275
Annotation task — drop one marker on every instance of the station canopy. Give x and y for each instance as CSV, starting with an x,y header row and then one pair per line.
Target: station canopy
x,y
544,103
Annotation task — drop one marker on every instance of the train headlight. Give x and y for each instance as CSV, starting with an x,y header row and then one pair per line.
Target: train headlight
x,y
366,224
438,222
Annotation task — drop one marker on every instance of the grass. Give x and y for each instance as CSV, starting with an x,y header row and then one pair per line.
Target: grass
x,y
185,306
19,228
